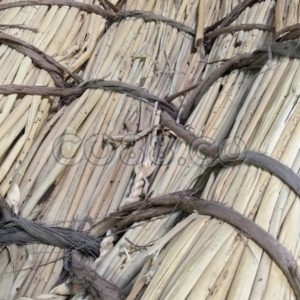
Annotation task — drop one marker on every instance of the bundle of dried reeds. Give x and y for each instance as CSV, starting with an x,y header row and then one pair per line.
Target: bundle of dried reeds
x,y
71,161
68,35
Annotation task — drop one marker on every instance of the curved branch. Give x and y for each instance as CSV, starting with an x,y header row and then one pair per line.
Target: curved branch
x,y
233,15
281,256
19,231
271,165
75,92
230,29
97,286
39,58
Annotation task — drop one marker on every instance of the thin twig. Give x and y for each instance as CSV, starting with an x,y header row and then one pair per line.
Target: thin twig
x,y
129,138
181,93
190,138
233,15
237,62
19,26
212,35
111,5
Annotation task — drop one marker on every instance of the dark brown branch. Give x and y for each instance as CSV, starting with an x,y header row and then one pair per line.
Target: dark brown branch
x,y
230,29
233,15
181,93
98,287
19,231
287,32
39,90
73,93
131,90
260,160
281,256
189,137
237,62
292,35
39,58
141,215
269,164
111,5
254,60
